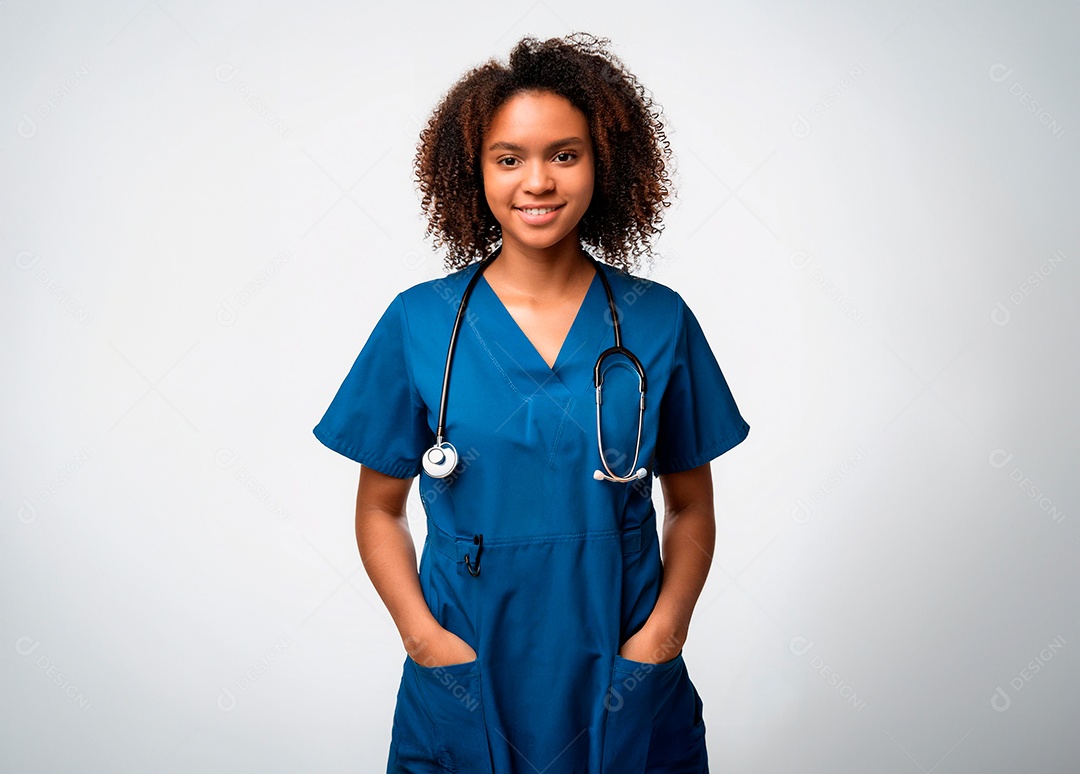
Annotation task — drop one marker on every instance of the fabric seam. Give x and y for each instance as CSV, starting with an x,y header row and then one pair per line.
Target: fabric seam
x,y
712,452
414,392
659,463
365,457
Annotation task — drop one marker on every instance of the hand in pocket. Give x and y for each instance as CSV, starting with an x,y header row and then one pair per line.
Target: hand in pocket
x,y
651,646
439,647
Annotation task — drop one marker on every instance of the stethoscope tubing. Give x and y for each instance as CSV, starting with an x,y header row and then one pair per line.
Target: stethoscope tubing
x,y
449,460
453,341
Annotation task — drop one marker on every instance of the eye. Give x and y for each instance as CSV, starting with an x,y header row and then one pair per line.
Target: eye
x,y
505,158
571,154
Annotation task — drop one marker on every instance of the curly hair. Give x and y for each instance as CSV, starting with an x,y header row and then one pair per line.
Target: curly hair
x,y
631,186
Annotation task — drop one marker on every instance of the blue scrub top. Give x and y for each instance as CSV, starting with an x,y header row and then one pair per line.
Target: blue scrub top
x,y
569,566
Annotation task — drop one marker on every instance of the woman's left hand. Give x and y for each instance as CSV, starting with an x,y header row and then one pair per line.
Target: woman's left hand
x,y
654,643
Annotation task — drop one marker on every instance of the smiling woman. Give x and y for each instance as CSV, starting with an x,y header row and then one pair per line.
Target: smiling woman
x,y
539,190
542,630
610,125
532,181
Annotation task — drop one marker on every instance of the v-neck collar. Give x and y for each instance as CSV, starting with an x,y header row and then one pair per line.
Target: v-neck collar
x,y
522,355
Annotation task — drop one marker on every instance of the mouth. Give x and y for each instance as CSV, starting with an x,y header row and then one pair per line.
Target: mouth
x,y
538,216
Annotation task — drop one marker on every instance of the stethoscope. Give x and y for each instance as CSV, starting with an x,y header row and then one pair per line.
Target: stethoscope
x,y
441,459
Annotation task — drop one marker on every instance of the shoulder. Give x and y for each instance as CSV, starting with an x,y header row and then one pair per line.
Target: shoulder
x,y
438,292
640,295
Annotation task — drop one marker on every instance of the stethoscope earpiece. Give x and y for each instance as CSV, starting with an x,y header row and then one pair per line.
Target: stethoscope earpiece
x,y
600,475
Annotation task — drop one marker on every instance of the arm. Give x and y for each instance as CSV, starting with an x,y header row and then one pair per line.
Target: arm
x,y
688,540
389,557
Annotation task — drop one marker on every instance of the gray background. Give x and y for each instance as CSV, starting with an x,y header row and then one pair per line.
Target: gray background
x,y
205,207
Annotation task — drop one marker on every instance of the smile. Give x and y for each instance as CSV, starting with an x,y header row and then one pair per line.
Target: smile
x,y
537,216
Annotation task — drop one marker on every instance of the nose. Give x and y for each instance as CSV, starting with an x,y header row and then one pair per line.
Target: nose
x,y
538,179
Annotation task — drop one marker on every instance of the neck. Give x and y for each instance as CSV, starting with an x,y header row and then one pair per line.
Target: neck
x,y
541,272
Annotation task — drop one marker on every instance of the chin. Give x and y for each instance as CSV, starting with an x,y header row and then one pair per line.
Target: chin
x,y
536,241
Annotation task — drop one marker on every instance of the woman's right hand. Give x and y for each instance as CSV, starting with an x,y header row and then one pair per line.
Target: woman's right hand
x,y
438,647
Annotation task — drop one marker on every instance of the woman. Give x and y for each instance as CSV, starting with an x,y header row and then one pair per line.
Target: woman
x,y
539,635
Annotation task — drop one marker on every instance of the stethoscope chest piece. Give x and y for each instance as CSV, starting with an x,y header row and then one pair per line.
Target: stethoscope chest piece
x,y
440,460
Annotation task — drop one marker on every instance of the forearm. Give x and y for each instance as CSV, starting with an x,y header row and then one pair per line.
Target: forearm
x,y
688,540
389,557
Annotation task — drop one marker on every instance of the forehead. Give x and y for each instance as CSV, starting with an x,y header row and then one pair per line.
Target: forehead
x,y
536,117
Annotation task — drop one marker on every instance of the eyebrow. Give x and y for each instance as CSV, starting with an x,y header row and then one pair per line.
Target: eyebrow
x,y
551,146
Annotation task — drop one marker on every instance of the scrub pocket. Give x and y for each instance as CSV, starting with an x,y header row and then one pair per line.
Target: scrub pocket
x,y
439,721
654,720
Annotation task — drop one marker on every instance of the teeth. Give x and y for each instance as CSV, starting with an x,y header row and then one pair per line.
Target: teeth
x,y
536,211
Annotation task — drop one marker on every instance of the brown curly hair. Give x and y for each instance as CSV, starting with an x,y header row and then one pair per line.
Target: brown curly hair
x,y
633,158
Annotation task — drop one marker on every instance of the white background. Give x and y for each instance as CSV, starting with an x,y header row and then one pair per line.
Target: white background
x,y
204,208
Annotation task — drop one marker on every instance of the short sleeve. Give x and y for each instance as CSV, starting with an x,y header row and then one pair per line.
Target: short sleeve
x,y
699,420
376,418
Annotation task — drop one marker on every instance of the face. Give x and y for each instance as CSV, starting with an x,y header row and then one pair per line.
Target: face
x,y
537,153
